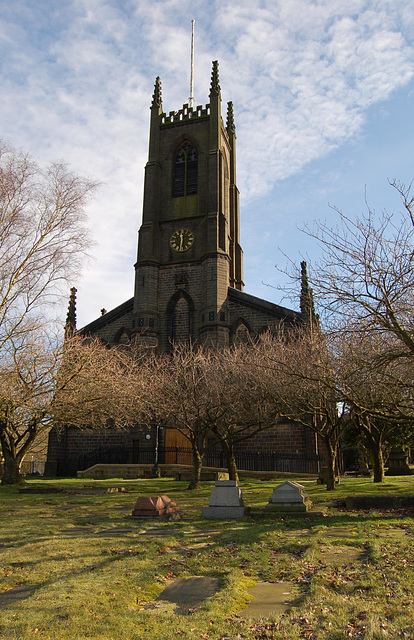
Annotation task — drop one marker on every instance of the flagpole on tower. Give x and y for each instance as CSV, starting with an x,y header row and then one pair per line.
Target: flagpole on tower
x,y
191,98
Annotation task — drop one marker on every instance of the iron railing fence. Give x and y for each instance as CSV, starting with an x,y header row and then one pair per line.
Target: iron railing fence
x,y
245,461
28,467
267,461
119,455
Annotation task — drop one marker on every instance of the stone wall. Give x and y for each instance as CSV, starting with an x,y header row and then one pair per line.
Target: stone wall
x,y
68,444
286,438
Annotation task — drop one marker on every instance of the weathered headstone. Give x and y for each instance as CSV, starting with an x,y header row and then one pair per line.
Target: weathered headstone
x,y
226,501
363,469
324,474
398,463
289,497
154,507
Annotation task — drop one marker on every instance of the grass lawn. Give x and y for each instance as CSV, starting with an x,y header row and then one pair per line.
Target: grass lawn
x,y
66,574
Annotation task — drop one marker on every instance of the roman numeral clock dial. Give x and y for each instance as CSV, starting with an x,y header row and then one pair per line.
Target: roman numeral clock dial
x,y
181,240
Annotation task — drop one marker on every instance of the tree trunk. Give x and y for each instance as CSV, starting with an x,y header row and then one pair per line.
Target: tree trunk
x,y
13,454
377,462
11,474
197,464
228,448
373,442
330,470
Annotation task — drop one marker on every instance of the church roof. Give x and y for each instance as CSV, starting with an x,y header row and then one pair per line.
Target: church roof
x,y
109,317
263,305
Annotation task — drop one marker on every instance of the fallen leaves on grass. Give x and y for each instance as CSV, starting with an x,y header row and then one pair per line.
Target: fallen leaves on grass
x,y
124,552
264,630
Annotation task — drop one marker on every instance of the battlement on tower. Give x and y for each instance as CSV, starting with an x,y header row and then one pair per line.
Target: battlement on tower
x,y
185,114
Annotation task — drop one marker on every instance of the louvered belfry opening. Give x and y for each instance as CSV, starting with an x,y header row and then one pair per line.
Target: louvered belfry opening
x,y
185,170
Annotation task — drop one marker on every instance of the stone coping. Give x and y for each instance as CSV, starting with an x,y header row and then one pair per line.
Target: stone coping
x,y
137,471
262,512
379,502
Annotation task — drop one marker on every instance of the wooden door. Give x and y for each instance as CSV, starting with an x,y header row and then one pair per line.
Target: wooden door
x,y
177,448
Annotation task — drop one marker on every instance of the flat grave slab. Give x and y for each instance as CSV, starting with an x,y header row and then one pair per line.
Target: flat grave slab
x,y
393,532
115,532
91,519
201,533
120,507
185,594
159,532
340,556
190,549
66,507
270,599
339,532
297,533
76,530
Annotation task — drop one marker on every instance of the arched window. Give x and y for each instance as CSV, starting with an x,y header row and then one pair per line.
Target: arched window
x,y
181,321
180,310
240,332
185,171
121,336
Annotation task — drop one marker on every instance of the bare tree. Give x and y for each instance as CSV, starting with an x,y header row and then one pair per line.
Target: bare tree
x,y
364,284
210,396
296,367
365,278
378,391
43,235
44,383
97,387
178,397
43,238
244,405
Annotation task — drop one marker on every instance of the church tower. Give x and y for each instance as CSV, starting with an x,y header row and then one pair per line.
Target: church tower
x,y
188,278
189,250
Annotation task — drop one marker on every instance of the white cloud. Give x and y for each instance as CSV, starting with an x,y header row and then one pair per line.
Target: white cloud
x,y
78,76
321,64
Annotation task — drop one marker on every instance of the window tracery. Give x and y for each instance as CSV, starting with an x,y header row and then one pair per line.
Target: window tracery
x,y
185,171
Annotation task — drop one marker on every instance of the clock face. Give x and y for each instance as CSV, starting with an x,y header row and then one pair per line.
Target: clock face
x,y
181,240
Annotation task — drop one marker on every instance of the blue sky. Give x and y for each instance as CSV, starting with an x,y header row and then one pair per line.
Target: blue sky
x,y
322,92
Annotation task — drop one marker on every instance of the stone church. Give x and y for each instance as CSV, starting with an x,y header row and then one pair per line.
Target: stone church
x,y
188,274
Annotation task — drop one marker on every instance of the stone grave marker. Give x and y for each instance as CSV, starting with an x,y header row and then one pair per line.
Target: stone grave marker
x,y
335,556
76,530
158,532
289,497
115,532
270,598
226,501
398,463
185,594
154,507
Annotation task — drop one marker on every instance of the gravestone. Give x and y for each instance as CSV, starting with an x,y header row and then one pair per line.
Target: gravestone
x,y
289,497
398,463
154,507
226,501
